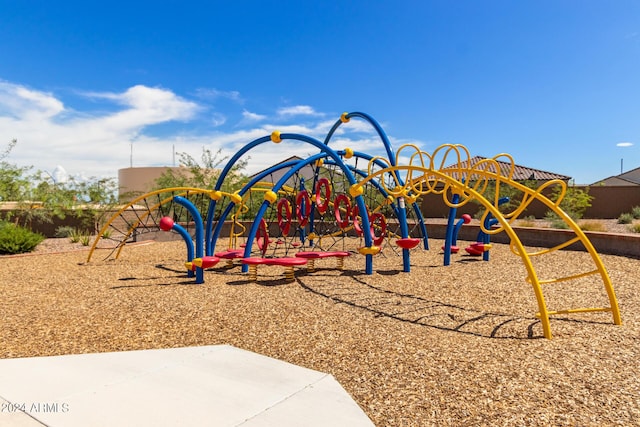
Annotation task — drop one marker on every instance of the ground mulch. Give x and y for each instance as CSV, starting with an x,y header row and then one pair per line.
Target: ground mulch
x,y
443,346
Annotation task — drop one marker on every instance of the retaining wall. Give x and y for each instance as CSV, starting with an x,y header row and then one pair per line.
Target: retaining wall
x,y
605,243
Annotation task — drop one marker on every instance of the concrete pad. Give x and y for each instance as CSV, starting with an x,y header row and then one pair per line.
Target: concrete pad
x,y
211,385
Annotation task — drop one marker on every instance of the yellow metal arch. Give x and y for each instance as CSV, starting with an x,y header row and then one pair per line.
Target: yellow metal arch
x,y
180,191
469,182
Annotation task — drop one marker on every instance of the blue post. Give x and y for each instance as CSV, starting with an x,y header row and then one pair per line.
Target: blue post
x,y
457,228
448,239
197,219
489,222
188,243
252,233
404,233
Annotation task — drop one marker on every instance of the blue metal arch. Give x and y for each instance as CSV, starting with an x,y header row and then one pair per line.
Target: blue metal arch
x,y
213,235
381,133
326,151
414,205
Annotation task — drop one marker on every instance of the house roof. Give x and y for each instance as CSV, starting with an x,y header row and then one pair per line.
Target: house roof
x,y
307,172
275,164
520,173
631,177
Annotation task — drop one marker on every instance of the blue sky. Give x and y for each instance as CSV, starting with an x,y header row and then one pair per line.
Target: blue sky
x,y
554,83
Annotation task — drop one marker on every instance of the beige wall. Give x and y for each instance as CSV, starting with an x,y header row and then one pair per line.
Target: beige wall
x,y
139,180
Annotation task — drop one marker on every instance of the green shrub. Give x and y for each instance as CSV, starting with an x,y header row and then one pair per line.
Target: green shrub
x,y
575,202
75,235
555,221
64,231
559,223
525,223
592,226
635,228
635,211
85,239
625,218
17,240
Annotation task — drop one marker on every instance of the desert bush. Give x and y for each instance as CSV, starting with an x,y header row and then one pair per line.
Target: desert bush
x,y
592,226
635,228
75,235
16,240
625,218
555,221
575,202
64,231
635,211
527,221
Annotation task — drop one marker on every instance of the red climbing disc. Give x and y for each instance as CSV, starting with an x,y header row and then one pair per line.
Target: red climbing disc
x,y
339,200
320,204
284,221
378,217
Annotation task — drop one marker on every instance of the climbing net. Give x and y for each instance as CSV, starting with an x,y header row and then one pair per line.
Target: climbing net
x,y
140,218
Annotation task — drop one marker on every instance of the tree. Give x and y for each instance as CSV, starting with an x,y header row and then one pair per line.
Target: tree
x,y
12,178
505,190
575,201
40,198
203,174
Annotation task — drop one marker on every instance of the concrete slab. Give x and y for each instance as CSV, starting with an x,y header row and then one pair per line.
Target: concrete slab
x,y
192,386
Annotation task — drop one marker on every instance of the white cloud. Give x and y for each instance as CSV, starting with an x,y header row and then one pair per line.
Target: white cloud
x,y
252,117
53,137
19,101
211,94
91,145
298,110
218,119
624,144
148,106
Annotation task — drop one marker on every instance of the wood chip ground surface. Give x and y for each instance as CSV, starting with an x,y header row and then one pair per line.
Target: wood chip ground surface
x,y
442,346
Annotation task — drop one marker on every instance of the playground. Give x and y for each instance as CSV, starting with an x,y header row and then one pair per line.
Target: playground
x,y
454,345
326,262
306,209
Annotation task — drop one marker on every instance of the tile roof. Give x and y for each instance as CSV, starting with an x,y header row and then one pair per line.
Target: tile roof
x,y
520,173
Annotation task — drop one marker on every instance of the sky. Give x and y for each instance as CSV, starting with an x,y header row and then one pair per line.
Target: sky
x,y
94,87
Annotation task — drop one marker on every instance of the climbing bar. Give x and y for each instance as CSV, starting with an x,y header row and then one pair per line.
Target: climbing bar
x,y
564,279
549,250
578,310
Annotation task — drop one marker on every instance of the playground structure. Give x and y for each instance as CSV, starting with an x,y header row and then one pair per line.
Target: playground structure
x,y
317,203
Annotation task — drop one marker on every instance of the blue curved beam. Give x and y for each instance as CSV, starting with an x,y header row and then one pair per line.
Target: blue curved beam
x,y
253,231
213,235
325,152
199,237
383,136
416,208
230,164
393,161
